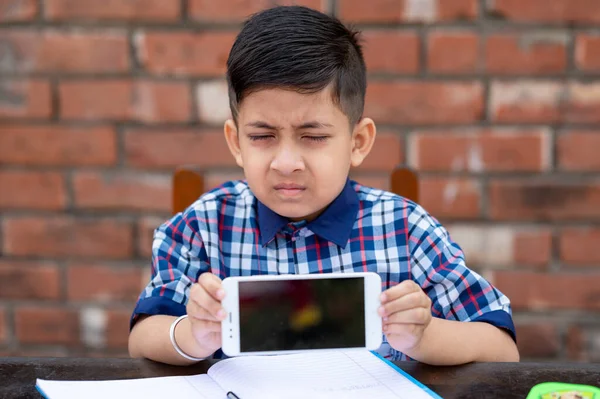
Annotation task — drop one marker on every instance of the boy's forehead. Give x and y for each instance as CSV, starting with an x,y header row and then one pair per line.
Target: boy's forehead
x,y
289,107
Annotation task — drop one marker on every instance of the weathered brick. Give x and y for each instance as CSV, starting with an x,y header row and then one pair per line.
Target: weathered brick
x,y
32,190
579,246
577,150
138,192
481,150
103,283
170,148
25,98
18,10
451,198
121,100
538,340
587,52
557,11
29,280
533,200
118,10
391,51
407,10
541,291
453,51
526,101
67,237
64,51
212,11
55,145
117,329
424,102
530,53
184,53
46,325
385,155
145,233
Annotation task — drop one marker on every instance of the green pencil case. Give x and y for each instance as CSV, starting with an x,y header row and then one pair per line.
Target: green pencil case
x,y
559,390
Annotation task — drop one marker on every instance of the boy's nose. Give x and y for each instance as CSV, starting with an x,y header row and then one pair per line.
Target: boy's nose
x,y
287,162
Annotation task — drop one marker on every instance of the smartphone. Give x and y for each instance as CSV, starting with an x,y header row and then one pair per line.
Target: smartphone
x,y
277,314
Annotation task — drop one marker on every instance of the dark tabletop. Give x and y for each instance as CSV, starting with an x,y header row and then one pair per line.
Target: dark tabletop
x,y
476,380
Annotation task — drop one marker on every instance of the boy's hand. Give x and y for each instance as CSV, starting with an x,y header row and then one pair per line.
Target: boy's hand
x,y
406,312
205,311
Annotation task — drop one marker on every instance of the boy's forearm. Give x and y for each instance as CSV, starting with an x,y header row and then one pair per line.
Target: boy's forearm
x,y
447,342
149,338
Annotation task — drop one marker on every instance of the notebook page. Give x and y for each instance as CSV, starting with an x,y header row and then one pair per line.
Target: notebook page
x,y
314,375
193,387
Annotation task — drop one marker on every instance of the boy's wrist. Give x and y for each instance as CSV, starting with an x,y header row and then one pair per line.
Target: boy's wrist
x,y
186,341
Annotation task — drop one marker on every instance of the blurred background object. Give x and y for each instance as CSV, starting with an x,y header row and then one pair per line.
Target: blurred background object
x,y
496,105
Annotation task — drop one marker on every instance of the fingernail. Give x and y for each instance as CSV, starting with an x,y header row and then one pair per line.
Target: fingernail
x,y
385,327
381,311
385,319
221,314
221,293
382,297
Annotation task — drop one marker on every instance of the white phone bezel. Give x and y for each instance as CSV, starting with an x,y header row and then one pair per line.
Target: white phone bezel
x,y
230,327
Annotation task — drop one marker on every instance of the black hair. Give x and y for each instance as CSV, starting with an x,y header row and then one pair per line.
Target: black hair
x,y
300,49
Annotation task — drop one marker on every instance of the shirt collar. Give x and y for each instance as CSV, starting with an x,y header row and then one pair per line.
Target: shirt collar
x,y
334,224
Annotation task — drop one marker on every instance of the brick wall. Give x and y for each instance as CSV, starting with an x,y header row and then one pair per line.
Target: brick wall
x,y
495,103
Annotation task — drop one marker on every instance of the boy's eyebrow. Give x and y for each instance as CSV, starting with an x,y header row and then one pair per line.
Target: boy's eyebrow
x,y
306,125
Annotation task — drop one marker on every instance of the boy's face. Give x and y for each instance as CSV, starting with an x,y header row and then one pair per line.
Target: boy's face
x,y
296,149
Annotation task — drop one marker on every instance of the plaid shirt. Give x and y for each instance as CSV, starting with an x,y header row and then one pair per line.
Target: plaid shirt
x,y
230,233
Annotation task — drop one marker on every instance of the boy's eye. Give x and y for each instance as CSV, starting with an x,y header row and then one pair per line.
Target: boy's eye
x,y
317,138
258,137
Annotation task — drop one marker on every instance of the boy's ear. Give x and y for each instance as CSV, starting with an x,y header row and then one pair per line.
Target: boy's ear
x,y
363,138
233,141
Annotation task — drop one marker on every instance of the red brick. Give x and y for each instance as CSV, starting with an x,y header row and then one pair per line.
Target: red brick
x,y
391,51
68,237
579,246
117,330
18,10
138,192
131,10
32,190
213,102
378,181
3,326
21,98
451,198
215,179
555,11
453,51
481,150
170,148
407,11
29,280
539,200
46,325
424,102
587,52
385,154
145,234
575,344
538,340
56,145
552,291
64,51
526,101
146,101
184,53
100,283
583,104
531,53
212,11
578,150
533,247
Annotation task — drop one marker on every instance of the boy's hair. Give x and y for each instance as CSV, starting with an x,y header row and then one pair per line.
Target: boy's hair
x,y
300,49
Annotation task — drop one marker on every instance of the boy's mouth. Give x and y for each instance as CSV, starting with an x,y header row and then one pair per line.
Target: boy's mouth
x,y
289,189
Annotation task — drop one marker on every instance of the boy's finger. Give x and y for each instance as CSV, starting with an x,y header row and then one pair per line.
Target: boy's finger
x,y
404,288
210,305
212,285
195,311
411,316
417,299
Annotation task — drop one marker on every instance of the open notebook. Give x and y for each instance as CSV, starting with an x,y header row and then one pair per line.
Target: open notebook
x,y
332,374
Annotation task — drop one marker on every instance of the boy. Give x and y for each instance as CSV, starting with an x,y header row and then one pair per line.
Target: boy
x,y
297,84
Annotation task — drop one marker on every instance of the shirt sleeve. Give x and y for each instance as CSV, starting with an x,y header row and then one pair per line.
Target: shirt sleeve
x,y
458,293
178,259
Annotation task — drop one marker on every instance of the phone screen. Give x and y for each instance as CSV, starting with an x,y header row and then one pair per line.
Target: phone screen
x,y
302,314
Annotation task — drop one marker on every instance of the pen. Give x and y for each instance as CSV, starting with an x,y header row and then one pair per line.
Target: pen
x,y
231,395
